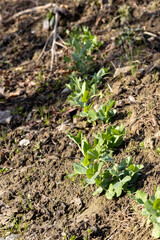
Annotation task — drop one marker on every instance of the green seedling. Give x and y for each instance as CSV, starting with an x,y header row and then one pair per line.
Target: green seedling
x,y
110,139
14,149
3,136
92,157
17,111
103,113
44,115
47,122
84,35
72,238
158,150
87,237
51,19
120,178
128,35
82,91
141,145
151,209
129,38
95,166
3,170
29,202
40,76
83,43
42,111
97,77
37,147
124,13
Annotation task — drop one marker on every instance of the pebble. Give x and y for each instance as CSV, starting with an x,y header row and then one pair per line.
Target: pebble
x,y
11,237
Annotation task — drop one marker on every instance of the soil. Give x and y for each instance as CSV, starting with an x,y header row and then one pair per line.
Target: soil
x,y
34,190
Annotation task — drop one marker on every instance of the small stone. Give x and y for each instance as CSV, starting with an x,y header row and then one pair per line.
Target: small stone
x,y
5,117
12,237
46,24
132,99
124,70
24,142
65,92
2,94
77,202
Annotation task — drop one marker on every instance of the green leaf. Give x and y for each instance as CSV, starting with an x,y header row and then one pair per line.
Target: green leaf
x,y
90,181
156,204
149,207
100,166
85,96
145,212
154,219
119,185
86,160
110,192
106,158
141,197
90,173
93,154
85,146
122,165
135,168
92,115
156,231
77,139
67,59
157,194
79,169
98,191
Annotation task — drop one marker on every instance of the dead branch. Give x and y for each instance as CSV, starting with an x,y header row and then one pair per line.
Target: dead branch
x,y
54,39
56,11
55,36
30,10
44,48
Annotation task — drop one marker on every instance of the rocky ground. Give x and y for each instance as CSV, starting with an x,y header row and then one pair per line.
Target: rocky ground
x,y
37,201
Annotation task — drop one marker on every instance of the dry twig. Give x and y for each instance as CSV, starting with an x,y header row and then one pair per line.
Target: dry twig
x,y
30,10
56,10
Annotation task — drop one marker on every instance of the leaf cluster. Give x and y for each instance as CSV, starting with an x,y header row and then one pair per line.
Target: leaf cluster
x,y
103,113
109,140
83,43
84,89
151,209
129,35
113,180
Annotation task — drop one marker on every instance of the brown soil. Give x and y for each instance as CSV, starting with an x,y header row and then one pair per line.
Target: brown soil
x,y
34,190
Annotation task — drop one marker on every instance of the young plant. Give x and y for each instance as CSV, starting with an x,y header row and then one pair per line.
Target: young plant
x,y
107,141
3,170
131,41
83,90
95,166
103,113
83,43
92,161
119,178
151,209
80,95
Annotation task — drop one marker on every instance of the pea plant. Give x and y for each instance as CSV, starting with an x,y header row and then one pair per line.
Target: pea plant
x,y
104,113
151,209
110,139
96,161
83,44
84,89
